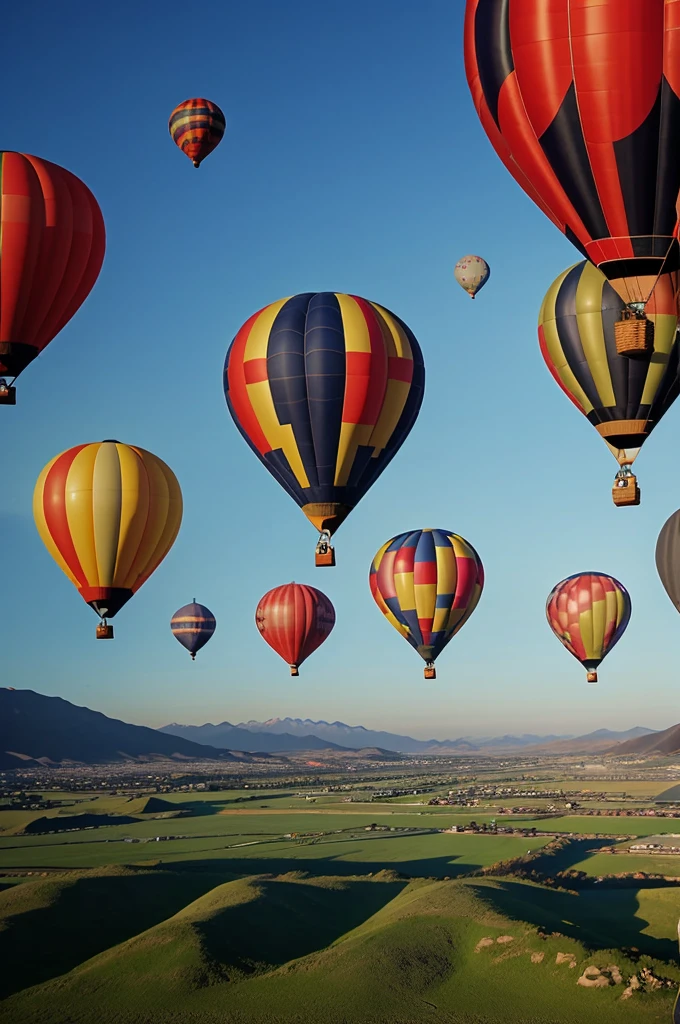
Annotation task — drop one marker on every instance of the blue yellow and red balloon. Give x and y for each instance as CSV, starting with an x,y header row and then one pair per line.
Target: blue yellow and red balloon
x,y
324,387
624,399
427,583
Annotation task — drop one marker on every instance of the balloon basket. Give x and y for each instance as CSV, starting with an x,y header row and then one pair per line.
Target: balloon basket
x,y
8,395
626,491
294,670
634,336
430,672
325,553
592,677
104,631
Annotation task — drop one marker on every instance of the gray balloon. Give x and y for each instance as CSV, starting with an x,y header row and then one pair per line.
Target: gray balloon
x,y
668,557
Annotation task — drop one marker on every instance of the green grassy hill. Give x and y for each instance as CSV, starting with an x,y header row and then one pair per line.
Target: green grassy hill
x,y
191,947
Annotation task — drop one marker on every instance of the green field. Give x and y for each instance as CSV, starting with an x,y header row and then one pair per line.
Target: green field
x,y
426,854
605,864
237,922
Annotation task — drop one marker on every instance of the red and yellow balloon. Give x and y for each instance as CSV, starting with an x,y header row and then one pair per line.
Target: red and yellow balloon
x,y
589,613
108,513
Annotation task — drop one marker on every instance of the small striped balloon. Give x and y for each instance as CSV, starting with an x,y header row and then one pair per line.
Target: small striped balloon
x,y
197,126
193,625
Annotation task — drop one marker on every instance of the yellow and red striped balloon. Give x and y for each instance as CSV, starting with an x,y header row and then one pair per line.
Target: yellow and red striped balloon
x,y
588,613
108,513
197,127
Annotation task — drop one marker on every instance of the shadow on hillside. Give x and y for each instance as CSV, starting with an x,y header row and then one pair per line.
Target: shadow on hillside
x,y
86,917
198,808
428,867
290,920
599,918
574,852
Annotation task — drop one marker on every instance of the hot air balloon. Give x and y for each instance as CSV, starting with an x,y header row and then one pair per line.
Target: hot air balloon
x,y
294,620
588,613
624,399
472,273
108,513
427,583
668,557
52,249
579,101
193,625
324,388
197,127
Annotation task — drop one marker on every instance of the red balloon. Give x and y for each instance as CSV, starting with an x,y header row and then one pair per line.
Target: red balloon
x,y
576,99
53,243
294,620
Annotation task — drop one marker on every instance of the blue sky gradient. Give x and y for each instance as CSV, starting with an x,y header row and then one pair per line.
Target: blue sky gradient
x,y
353,161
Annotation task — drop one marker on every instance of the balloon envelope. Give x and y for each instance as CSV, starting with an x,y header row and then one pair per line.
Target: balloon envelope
x,y
197,126
52,248
108,513
472,273
668,557
193,625
579,100
294,620
427,583
589,613
324,388
623,398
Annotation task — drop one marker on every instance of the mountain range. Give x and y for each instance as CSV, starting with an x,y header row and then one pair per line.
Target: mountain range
x,y
36,729
238,737
666,742
280,734
48,730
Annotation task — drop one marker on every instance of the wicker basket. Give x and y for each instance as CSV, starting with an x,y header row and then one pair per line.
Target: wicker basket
x,y
626,491
326,557
104,631
634,336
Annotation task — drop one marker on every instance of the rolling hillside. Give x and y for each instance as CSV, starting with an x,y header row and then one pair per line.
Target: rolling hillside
x,y
666,742
290,949
50,730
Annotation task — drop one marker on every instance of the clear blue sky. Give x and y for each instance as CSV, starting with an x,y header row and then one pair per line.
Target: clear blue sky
x,y
353,161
